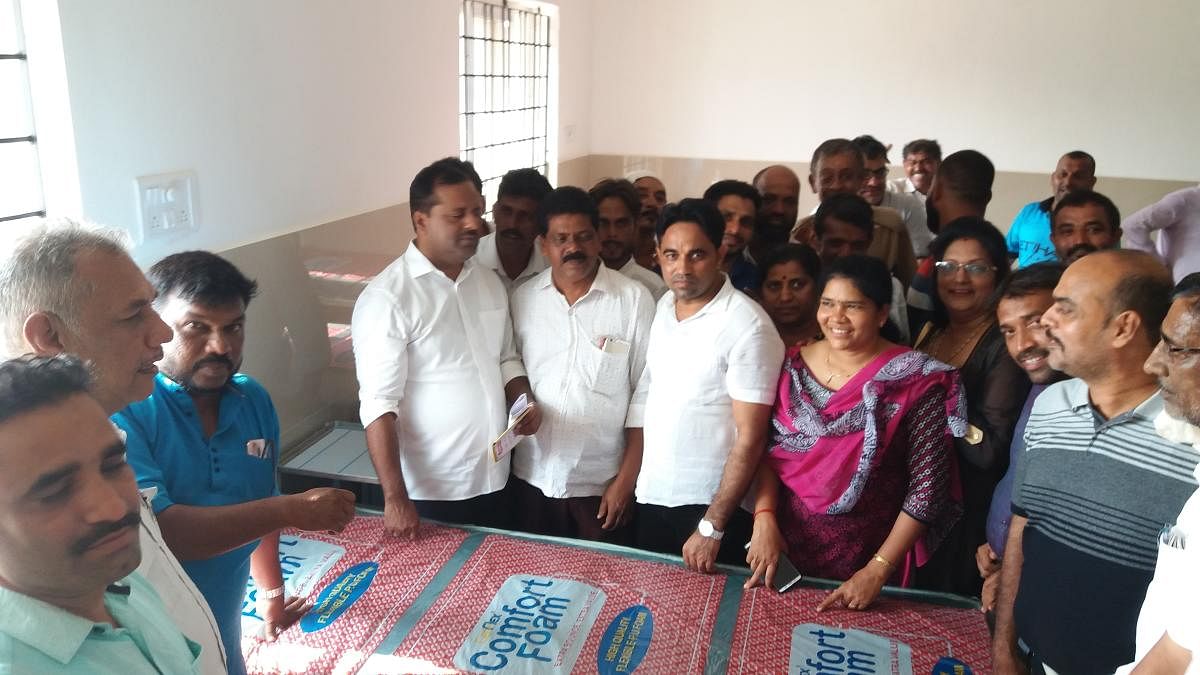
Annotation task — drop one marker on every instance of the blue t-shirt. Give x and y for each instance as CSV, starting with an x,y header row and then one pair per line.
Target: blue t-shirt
x,y
168,451
1029,236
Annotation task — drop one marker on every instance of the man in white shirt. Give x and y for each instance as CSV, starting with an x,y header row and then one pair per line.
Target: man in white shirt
x,y
921,160
436,364
510,251
874,190
705,397
70,288
617,203
582,331
1168,633
653,194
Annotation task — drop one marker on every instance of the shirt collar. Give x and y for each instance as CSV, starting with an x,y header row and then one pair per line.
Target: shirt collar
x,y
1077,398
419,265
721,297
1045,204
602,283
51,630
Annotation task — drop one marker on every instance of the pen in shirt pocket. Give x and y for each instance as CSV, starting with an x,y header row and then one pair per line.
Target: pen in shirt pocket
x,y
1173,537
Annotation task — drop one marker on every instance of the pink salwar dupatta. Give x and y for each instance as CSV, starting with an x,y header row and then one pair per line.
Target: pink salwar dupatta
x,y
825,455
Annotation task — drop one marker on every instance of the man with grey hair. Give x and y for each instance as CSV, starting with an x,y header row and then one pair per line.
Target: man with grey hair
x,y
72,288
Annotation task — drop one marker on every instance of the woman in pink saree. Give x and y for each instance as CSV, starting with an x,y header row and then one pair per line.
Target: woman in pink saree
x,y
859,481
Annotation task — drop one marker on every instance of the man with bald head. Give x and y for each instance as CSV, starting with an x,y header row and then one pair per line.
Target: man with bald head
x,y
779,188
1095,483
1029,236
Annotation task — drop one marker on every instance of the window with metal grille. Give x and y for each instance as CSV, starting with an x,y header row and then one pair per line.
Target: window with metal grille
x,y
504,90
20,175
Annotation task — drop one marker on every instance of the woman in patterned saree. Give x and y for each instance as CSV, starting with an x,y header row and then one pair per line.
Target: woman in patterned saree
x,y
859,481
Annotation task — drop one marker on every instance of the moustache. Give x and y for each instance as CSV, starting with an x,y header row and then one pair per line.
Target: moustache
x,y
571,257
510,234
216,358
1051,337
1078,251
132,519
1033,352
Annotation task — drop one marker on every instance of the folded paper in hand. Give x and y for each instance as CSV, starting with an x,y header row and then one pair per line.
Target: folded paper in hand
x,y
509,439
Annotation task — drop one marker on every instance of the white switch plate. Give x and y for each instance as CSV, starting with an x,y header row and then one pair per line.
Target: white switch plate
x,y
166,203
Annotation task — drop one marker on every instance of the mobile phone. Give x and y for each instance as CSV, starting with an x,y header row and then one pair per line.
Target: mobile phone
x,y
786,574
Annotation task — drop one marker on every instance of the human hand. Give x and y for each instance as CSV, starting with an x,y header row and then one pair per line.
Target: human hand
x,y
766,545
1006,662
987,561
400,518
700,553
860,590
987,598
616,505
279,615
532,421
322,509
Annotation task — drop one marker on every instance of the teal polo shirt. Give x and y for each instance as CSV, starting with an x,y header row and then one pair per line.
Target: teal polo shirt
x,y
37,637
168,451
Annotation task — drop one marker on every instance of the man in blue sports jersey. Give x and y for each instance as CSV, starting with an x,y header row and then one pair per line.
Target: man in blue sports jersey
x,y
207,440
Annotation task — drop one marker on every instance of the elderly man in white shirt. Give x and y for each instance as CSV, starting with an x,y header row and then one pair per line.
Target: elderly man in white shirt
x,y
582,331
511,251
705,397
106,318
1168,631
617,204
874,190
436,364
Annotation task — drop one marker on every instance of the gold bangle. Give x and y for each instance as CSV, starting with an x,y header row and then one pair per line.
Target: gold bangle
x,y
885,561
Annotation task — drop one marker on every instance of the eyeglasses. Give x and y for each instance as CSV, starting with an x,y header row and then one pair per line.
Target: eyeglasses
x,y
1175,353
878,174
949,268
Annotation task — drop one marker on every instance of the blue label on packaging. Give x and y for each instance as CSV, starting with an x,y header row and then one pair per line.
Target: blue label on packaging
x,y
338,596
625,641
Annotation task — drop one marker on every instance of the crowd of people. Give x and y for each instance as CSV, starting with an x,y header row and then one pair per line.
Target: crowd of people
x,y
887,391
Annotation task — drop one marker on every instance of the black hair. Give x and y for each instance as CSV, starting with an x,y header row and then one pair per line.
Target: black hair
x,y
803,255
691,210
1187,287
850,209
925,146
566,200
871,147
202,277
1078,155
527,183
28,383
870,276
1145,293
832,147
445,171
1086,198
1035,278
737,188
976,229
968,174
619,188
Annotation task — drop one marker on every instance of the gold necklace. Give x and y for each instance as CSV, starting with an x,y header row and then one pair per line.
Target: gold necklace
x,y
832,374
972,338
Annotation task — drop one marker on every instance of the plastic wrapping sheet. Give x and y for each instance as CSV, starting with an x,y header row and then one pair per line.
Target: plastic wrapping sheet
x,y
475,600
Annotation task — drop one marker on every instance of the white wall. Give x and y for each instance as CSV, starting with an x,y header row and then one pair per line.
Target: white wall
x,y
1021,80
292,114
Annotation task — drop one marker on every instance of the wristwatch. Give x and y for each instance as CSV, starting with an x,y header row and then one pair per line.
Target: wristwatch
x,y
706,529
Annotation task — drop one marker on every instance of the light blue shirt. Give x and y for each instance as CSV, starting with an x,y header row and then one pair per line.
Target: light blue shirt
x,y
168,451
1029,236
37,637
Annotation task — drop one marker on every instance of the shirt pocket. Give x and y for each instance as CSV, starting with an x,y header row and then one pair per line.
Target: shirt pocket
x,y
606,373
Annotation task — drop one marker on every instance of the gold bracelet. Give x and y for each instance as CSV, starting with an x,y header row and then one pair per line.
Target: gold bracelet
x,y
885,561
